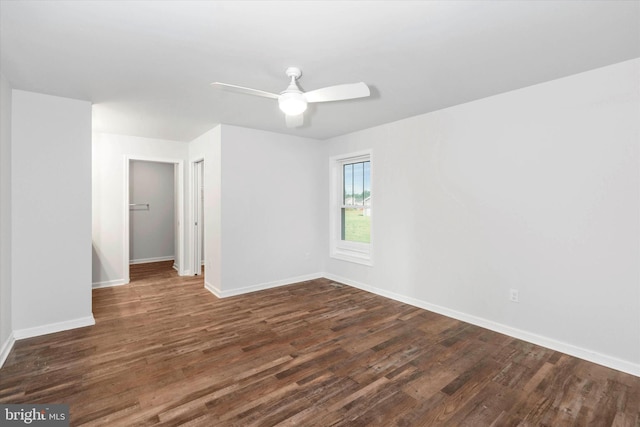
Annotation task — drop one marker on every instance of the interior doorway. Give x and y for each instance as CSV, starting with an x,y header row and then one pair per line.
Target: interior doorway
x,y
198,217
152,224
136,206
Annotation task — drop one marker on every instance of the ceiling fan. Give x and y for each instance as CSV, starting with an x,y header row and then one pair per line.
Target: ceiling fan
x,y
293,102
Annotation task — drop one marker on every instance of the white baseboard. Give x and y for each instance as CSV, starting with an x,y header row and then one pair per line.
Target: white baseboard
x,y
261,286
570,349
148,260
6,348
215,291
109,283
54,327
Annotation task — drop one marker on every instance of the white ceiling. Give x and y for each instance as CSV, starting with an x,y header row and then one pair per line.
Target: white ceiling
x,y
147,65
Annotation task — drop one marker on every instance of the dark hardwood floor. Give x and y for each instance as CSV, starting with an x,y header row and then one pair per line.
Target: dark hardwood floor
x,y
166,351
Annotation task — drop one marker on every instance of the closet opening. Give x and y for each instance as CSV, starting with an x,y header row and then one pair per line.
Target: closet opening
x,y
154,213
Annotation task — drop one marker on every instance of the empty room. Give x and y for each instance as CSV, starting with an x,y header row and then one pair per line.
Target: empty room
x,y
320,213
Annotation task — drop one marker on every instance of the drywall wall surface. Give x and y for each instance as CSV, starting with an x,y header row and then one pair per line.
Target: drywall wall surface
x,y
152,216
110,152
270,221
5,214
207,147
535,190
51,213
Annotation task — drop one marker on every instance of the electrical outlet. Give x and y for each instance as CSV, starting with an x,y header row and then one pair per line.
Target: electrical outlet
x,y
513,295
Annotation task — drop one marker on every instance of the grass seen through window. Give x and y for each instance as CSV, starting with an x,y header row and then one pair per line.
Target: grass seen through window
x,y
357,225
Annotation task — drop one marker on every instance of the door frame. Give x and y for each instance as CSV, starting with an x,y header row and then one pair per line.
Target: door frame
x,y
179,196
197,215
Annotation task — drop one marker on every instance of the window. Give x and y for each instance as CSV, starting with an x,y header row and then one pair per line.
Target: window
x,y
351,208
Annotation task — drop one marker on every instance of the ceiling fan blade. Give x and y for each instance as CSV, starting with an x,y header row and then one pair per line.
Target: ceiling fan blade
x,y
295,121
245,90
338,92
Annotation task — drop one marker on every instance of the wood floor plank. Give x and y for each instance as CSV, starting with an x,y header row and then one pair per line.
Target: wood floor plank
x,y
165,351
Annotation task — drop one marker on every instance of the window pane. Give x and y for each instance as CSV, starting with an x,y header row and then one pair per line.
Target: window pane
x,y
357,183
356,222
356,225
348,185
367,184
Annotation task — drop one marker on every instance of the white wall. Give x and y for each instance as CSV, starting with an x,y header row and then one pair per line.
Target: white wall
x,y
207,147
151,228
6,331
109,204
270,221
51,213
535,190
261,205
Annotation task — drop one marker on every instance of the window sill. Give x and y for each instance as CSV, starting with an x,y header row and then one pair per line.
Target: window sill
x,y
358,258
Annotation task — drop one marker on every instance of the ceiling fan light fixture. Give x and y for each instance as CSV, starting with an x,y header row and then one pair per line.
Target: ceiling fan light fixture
x,y
292,104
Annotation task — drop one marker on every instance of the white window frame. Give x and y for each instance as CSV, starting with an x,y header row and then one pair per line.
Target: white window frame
x,y
361,253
